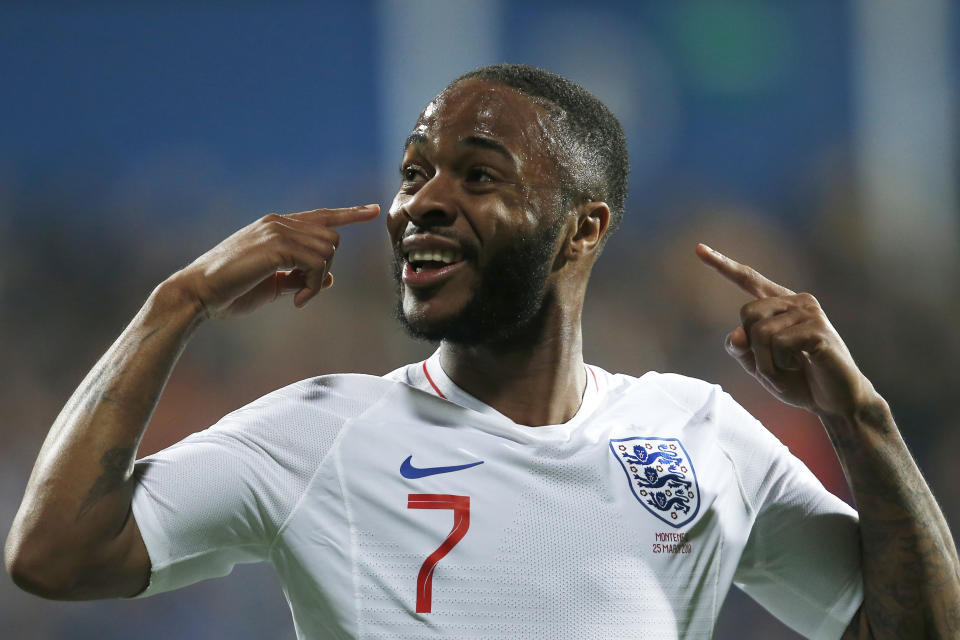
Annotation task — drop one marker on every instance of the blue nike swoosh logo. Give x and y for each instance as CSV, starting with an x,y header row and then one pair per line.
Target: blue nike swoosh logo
x,y
407,470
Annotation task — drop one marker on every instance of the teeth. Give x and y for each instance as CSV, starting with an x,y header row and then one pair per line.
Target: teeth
x,y
446,256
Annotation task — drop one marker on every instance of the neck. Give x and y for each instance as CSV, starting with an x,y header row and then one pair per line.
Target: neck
x,y
534,383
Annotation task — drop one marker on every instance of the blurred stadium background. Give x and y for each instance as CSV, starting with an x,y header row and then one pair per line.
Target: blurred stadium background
x,y
816,140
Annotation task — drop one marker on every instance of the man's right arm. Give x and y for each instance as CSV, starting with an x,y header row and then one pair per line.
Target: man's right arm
x,y
74,536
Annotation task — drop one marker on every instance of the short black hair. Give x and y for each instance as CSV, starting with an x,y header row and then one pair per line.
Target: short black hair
x,y
593,137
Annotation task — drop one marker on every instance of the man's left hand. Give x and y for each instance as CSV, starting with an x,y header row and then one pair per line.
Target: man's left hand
x,y
786,342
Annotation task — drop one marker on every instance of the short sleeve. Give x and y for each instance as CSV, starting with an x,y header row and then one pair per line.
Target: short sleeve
x,y
802,557
197,509
220,496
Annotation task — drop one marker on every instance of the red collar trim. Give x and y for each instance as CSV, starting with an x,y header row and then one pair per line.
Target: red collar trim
x,y
432,383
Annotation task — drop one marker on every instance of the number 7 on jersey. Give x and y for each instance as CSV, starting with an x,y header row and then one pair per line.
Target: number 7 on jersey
x,y
461,522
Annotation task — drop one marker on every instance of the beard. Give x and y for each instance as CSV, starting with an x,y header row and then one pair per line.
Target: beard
x,y
508,303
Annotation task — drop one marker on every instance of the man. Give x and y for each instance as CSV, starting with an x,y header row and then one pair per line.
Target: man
x,y
502,488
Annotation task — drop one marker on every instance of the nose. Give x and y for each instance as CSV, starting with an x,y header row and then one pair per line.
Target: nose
x,y
433,204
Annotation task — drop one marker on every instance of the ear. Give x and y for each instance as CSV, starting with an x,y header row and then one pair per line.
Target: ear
x,y
593,218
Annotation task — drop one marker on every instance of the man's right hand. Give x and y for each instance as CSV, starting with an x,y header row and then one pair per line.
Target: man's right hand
x,y
73,537
275,255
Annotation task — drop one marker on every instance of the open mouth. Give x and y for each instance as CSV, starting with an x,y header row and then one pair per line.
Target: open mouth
x,y
427,268
425,259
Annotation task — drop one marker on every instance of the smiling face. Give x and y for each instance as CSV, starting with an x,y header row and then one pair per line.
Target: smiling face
x,y
475,223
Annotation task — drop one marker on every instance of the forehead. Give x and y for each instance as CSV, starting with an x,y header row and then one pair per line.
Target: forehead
x,y
481,108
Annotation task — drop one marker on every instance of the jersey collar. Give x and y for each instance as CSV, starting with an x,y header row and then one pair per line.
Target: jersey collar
x,y
439,383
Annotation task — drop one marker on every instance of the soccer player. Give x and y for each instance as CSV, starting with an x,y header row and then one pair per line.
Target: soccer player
x,y
502,488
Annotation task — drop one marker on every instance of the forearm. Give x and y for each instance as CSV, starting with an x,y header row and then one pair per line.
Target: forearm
x,y
79,492
910,569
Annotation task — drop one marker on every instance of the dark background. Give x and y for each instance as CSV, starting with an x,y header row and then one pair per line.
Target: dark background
x,y
816,141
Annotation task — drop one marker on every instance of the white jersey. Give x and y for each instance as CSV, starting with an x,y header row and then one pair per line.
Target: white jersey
x,y
402,507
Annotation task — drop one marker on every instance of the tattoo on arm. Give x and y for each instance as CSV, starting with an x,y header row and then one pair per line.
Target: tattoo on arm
x,y
116,465
105,380
910,567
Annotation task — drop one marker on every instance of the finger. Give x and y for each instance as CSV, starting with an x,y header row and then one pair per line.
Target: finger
x,y
316,281
339,217
308,227
312,285
268,290
747,278
326,269
306,294
805,340
317,274
287,232
757,310
309,256
737,345
772,360
289,281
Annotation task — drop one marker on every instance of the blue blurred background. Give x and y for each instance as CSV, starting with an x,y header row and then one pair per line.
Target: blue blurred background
x,y
816,140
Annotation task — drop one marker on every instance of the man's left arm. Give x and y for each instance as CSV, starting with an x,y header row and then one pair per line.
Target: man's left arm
x,y
911,575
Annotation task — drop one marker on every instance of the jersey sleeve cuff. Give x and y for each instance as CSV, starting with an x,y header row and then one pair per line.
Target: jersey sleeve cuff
x,y
156,542
838,618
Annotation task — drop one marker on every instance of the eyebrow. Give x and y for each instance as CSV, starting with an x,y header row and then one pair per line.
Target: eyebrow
x,y
484,142
414,138
480,142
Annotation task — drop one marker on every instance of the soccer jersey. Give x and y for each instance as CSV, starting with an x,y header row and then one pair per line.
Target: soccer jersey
x,y
402,507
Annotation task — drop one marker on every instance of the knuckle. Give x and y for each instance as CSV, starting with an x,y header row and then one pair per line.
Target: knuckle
x,y
331,236
818,343
276,236
751,312
274,231
779,342
807,300
315,263
271,218
761,332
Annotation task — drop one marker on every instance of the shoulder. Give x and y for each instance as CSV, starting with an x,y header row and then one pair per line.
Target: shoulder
x,y
308,410
682,392
703,407
688,393
344,395
691,395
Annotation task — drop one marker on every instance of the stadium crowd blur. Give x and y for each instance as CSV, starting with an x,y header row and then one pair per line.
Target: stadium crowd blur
x,y
763,166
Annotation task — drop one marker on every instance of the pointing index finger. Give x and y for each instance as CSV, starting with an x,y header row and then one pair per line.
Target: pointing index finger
x,y
340,217
747,278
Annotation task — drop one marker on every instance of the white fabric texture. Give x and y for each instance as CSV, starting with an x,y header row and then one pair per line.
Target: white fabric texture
x,y
550,531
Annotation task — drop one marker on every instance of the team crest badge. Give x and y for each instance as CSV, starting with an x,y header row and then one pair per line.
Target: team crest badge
x,y
661,477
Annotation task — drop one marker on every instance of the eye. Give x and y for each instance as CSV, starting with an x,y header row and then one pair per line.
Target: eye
x,y
412,173
479,174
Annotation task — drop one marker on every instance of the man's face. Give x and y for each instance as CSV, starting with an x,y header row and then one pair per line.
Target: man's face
x,y
474,225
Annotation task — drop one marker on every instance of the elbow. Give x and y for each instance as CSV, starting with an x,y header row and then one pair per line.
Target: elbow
x,y
38,570
35,579
65,567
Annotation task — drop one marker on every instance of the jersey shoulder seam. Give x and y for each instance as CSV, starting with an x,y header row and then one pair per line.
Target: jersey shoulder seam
x,y
206,551
313,476
715,389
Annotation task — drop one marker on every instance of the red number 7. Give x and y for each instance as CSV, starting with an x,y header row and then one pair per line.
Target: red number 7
x,y
461,522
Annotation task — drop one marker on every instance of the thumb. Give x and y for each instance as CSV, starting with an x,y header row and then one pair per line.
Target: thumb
x,y
289,281
738,346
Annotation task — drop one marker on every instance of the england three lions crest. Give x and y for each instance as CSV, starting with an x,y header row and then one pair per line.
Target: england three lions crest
x,y
661,477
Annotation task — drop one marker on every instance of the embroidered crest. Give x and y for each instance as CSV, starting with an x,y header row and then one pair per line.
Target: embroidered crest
x,y
661,476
